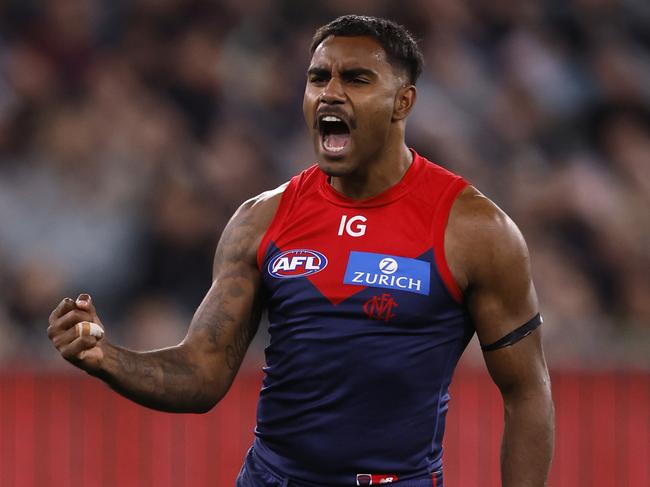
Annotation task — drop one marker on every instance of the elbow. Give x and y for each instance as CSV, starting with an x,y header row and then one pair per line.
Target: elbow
x,y
208,402
204,408
536,415
538,399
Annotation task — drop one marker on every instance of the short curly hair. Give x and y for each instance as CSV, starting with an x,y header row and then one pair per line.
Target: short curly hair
x,y
400,46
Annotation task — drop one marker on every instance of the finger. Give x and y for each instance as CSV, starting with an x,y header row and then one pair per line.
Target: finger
x,y
83,328
63,307
65,338
85,302
68,320
87,328
72,350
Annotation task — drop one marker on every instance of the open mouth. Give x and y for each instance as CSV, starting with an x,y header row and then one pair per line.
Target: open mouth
x,y
334,133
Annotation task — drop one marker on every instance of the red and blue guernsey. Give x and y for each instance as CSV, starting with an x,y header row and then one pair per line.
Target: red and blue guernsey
x,y
366,328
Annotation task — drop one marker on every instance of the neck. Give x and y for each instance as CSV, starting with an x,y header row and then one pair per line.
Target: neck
x,y
375,178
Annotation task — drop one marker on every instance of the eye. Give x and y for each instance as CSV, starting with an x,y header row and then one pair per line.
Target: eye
x,y
356,79
317,79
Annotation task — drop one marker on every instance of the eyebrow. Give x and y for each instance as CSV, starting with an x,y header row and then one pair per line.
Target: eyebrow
x,y
318,71
352,72
346,73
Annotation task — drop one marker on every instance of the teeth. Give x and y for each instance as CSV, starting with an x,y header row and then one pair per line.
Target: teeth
x,y
329,148
333,149
331,118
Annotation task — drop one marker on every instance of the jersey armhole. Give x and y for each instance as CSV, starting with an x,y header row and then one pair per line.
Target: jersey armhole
x,y
440,221
286,202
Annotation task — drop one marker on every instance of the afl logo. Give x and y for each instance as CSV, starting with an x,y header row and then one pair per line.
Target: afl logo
x,y
297,263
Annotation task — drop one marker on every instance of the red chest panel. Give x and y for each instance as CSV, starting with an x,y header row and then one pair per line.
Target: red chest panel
x,y
316,229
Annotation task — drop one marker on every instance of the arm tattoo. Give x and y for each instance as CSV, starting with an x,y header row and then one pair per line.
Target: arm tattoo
x,y
235,352
162,379
235,286
191,376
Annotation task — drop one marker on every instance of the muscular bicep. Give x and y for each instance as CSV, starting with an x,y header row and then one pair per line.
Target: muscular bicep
x,y
491,260
500,296
227,318
501,299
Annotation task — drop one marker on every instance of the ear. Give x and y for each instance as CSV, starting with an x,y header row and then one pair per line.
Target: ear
x,y
404,102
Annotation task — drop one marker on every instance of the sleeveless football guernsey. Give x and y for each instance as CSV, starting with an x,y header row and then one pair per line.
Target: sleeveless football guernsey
x,y
366,327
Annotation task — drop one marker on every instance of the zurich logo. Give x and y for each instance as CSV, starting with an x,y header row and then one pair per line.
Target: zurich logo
x,y
297,263
388,265
388,272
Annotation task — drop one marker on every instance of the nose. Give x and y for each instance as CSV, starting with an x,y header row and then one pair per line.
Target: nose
x,y
333,92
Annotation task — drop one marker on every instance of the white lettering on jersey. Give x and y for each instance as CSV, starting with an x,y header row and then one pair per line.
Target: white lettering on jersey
x,y
291,264
358,277
351,227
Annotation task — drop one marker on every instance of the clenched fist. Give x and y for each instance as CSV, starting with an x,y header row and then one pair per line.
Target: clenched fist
x,y
77,333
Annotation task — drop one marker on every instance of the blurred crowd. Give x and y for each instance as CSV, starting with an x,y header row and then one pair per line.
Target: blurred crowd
x,y
131,130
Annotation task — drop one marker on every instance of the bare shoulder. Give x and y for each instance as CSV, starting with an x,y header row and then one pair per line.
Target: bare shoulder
x,y
261,208
481,241
245,230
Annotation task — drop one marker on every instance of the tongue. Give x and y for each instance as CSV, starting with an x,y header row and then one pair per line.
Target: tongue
x,y
336,141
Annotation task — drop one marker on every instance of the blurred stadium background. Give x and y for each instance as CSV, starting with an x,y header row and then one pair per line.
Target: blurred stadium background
x,y
131,130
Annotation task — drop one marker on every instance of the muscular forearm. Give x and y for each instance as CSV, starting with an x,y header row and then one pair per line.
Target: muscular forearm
x,y
165,379
527,445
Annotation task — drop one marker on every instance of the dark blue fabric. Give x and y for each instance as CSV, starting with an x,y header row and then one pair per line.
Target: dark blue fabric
x,y
254,473
345,393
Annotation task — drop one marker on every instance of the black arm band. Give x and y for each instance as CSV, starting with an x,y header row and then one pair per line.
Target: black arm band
x,y
514,336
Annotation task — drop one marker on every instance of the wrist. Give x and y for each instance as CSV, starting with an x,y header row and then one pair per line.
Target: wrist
x,y
103,366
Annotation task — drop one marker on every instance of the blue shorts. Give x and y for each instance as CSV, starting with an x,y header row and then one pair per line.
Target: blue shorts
x,y
254,474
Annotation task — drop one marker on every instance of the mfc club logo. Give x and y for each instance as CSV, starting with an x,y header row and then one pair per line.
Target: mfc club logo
x,y
297,263
380,307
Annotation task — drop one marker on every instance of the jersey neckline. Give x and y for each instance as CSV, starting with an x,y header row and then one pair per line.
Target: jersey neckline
x,y
391,194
